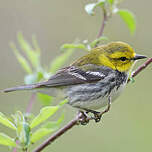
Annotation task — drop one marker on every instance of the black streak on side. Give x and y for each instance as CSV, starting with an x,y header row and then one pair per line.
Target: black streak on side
x,y
121,78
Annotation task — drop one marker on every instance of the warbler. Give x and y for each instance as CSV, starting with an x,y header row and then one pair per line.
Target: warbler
x,y
94,80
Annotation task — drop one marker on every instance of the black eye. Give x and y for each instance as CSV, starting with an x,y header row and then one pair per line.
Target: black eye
x,y
123,58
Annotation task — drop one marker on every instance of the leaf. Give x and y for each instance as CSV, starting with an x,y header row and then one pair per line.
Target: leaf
x,y
6,140
38,134
45,99
18,119
26,134
44,114
128,18
33,56
89,8
24,63
6,122
97,41
73,46
46,129
54,124
35,44
63,102
60,60
111,1
23,129
33,78
132,79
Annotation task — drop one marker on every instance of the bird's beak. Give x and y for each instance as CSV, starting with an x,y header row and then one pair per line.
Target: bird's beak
x,y
138,56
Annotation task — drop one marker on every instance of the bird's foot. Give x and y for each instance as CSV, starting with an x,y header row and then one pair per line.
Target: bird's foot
x,y
84,118
98,115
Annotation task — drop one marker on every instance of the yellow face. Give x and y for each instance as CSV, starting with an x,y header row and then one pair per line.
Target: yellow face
x,y
119,56
122,62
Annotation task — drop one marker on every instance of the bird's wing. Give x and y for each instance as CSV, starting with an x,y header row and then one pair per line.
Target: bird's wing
x,y
76,75
69,76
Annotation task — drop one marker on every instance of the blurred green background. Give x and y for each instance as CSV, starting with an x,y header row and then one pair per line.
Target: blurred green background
x,y
128,126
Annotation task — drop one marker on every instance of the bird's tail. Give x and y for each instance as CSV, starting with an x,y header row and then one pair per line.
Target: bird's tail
x,y
23,87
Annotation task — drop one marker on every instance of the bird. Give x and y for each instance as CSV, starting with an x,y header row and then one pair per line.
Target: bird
x,y
93,81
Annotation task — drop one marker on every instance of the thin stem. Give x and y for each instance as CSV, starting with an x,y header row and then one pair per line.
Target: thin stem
x,y
60,132
79,118
140,68
15,149
31,102
105,18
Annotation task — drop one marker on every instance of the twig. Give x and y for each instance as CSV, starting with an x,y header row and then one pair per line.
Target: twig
x,y
15,149
143,66
60,132
79,117
31,102
105,18
140,68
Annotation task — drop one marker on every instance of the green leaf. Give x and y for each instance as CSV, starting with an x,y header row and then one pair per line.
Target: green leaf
x,y
63,102
35,44
33,56
6,122
45,99
97,41
24,63
6,140
44,114
26,134
89,8
73,46
111,1
23,129
128,18
132,79
38,134
33,78
18,119
46,129
60,60
54,124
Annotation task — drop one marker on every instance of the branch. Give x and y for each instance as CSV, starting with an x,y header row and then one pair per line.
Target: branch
x,y
105,18
140,68
31,102
60,132
79,117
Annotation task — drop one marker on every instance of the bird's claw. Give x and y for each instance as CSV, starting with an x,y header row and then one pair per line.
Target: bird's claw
x,y
97,116
84,119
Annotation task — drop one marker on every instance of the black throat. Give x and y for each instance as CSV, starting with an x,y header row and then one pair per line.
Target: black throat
x,y
122,78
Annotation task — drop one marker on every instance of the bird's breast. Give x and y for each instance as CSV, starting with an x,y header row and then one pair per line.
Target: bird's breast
x,y
95,95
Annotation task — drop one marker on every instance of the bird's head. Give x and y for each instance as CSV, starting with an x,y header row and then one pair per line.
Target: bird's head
x,y
118,56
